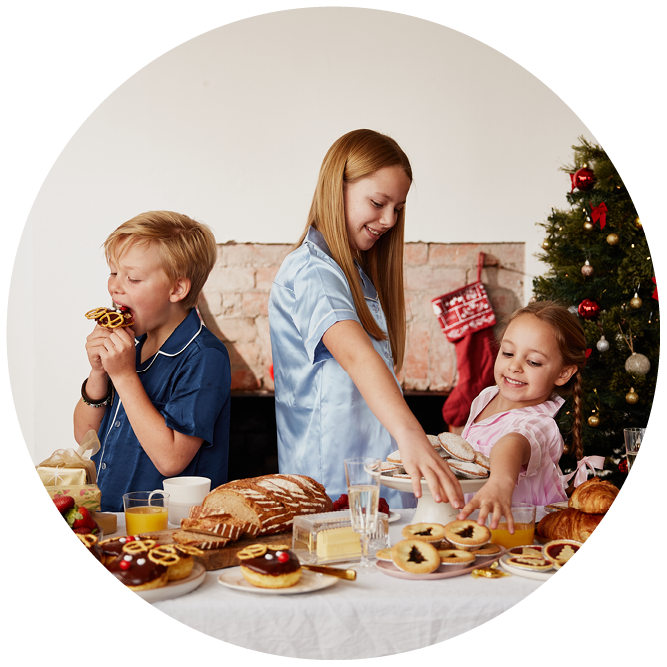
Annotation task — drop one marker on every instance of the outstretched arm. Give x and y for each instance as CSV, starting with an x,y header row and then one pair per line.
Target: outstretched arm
x,y
351,347
495,498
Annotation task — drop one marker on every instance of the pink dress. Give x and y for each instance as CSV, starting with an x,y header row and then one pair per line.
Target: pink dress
x,y
541,481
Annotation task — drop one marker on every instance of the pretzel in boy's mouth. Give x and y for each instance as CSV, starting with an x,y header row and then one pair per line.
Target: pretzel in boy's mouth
x,y
110,318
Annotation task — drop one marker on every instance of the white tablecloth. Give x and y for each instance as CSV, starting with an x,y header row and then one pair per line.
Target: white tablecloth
x,y
376,615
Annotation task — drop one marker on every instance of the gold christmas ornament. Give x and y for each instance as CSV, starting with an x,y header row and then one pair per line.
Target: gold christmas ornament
x,y
636,302
587,269
546,244
637,364
613,238
594,421
638,223
632,396
588,226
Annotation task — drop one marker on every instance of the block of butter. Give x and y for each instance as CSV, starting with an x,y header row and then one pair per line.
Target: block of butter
x,y
328,537
334,542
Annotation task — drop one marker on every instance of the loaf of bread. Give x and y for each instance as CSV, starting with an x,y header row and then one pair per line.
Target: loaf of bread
x,y
594,496
266,504
568,524
199,540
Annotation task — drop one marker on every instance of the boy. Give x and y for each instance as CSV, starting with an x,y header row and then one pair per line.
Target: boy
x,y
160,403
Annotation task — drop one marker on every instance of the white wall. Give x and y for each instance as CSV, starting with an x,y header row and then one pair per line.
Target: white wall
x,y
231,128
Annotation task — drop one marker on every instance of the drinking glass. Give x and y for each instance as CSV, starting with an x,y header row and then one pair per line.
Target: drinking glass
x,y
633,439
524,527
145,511
363,492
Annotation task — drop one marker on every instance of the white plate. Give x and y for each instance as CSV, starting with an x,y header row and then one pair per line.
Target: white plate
x,y
542,575
175,588
405,484
443,572
309,582
393,516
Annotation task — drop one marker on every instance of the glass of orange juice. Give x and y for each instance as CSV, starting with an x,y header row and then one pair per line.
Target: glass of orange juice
x,y
145,511
524,527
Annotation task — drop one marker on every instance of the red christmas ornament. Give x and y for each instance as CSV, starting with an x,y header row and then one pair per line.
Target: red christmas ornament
x,y
655,291
623,466
582,179
588,309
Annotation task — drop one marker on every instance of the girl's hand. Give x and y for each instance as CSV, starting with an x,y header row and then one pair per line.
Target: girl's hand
x,y
494,499
420,460
118,354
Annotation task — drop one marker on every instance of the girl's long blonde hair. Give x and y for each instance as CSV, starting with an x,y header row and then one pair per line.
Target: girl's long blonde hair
x,y
571,341
357,154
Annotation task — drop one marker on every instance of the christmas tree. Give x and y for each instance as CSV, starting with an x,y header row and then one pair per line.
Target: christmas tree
x,y
600,267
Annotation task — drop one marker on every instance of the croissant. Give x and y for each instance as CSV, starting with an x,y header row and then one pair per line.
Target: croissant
x,y
568,524
593,496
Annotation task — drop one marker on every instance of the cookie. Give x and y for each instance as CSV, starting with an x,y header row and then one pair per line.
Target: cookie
x,y
456,447
395,457
528,551
560,551
535,564
467,470
467,534
482,460
456,556
415,556
487,550
433,533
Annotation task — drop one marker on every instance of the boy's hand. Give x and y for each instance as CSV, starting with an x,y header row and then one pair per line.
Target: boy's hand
x,y
118,353
94,344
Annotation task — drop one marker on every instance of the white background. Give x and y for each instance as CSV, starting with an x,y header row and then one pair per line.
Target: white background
x,y
231,127
62,60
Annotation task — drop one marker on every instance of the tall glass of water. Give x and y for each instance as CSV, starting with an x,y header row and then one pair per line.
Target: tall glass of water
x,y
363,492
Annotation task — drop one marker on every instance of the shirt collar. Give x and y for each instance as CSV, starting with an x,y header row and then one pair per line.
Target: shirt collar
x,y
179,340
315,237
550,407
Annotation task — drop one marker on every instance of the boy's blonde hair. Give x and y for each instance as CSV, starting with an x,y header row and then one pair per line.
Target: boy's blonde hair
x,y
187,248
354,155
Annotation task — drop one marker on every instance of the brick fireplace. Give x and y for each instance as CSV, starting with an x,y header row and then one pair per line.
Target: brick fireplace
x,y
234,306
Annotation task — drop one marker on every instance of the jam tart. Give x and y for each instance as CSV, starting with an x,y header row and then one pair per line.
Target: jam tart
x,y
433,533
560,551
535,564
467,534
415,556
526,551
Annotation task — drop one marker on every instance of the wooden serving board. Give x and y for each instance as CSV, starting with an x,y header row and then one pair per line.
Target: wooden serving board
x,y
217,559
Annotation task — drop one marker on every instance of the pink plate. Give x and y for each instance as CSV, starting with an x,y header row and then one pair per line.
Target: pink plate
x,y
443,572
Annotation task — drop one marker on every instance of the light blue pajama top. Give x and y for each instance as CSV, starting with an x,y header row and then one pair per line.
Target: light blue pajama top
x,y
321,417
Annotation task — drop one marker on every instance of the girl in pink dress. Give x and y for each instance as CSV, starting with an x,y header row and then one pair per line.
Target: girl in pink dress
x,y
542,352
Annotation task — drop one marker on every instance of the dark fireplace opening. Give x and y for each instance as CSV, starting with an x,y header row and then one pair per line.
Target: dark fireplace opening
x,y
253,447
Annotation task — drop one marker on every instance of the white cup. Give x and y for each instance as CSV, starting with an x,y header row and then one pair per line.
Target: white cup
x,y
184,493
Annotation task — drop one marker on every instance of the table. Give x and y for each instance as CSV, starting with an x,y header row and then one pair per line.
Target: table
x,y
376,615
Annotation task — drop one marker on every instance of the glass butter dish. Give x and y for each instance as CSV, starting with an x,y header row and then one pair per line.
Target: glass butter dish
x,y
328,537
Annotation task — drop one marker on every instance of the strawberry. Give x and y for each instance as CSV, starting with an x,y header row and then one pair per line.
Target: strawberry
x,y
383,506
342,503
63,503
79,517
82,530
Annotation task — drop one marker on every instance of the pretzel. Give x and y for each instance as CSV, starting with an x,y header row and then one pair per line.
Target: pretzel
x,y
190,550
111,320
107,318
252,551
138,546
89,540
165,555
